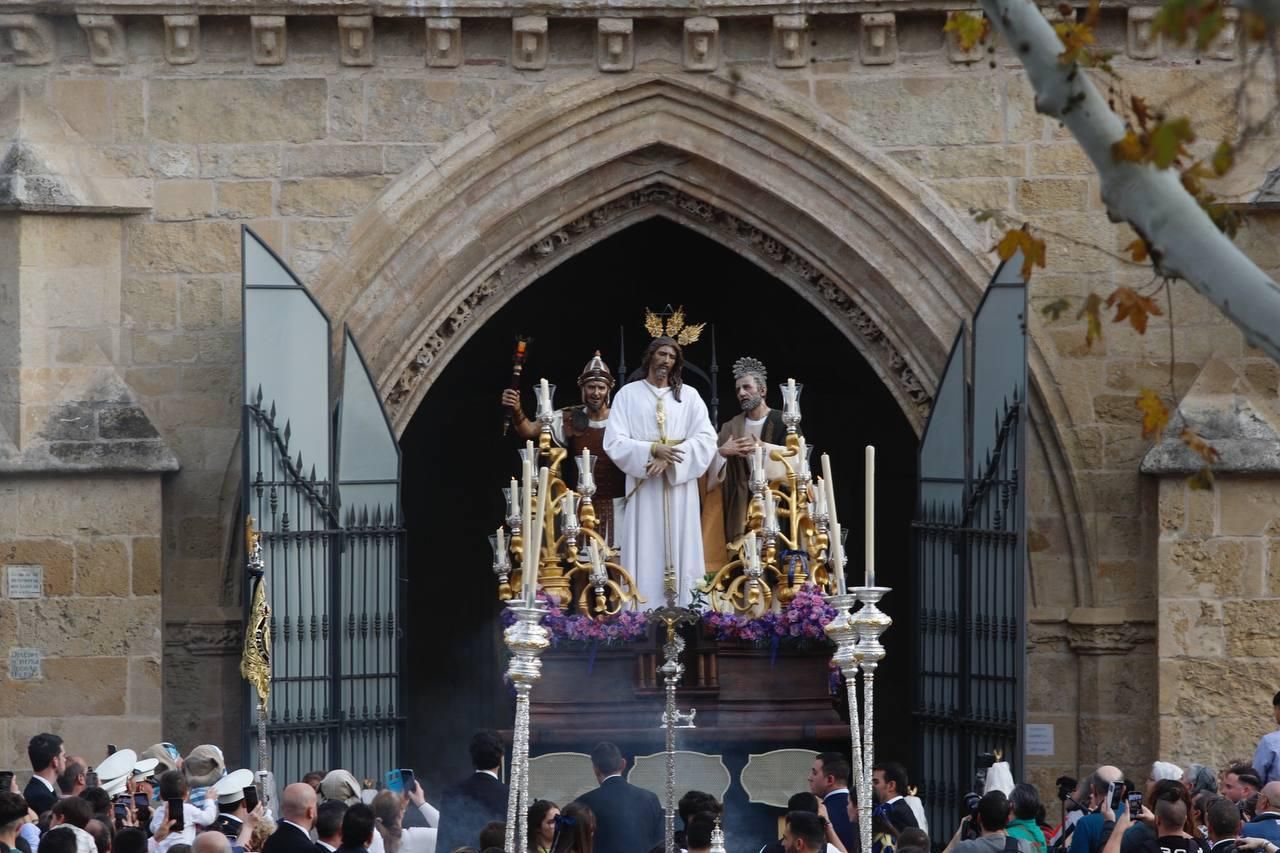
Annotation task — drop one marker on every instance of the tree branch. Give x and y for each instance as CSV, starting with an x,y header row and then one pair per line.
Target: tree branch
x,y
1184,241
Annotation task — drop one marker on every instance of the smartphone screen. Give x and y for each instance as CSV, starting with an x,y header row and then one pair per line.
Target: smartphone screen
x,y
395,783
406,779
251,798
91,779
173,812
140,799
121,810
6,779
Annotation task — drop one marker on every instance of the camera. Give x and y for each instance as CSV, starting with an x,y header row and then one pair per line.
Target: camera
x,y
1066,787
969,826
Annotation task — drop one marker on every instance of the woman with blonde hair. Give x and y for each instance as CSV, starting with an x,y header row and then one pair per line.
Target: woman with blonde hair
x,y
388,812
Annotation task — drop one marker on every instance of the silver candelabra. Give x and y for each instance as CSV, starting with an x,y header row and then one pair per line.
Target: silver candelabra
x,y
527,640
856,634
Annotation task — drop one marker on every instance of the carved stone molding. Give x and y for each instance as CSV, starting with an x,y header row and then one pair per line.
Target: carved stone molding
x,y
750,240
1226,44
444,42
30,37
181,39
1142,41
529,42
1108,639
355,39
270,39
615,44
106,39
879,39
204,639
701,44
790,41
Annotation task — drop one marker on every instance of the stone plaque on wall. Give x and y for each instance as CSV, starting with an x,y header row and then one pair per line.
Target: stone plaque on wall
x,y
25,664
24,581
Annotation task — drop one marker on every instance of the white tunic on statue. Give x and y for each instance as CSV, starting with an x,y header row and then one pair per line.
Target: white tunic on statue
x,y
628,439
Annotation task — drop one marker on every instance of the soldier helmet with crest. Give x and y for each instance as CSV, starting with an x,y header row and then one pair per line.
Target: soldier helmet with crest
x,y
596,369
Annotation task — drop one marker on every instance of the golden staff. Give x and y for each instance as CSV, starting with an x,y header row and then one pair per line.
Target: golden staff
x,y
255,661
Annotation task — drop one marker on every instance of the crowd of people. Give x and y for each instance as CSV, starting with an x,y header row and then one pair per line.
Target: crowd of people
x,y
162,802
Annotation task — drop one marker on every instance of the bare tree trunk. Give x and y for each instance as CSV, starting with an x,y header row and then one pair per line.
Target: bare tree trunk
x,y
1153,201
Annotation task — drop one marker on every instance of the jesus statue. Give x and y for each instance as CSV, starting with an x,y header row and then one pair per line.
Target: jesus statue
x,y
660,435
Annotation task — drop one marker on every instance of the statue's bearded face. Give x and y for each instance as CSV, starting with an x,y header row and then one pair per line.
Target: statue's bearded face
x,y
595,394
664,359
749,391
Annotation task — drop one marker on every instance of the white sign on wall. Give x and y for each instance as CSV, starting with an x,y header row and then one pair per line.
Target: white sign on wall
x,y
25,664
1039,739
24,581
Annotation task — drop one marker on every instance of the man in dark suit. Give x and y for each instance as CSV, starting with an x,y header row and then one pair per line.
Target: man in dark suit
x,y
829,782
297,816
48,759
628,819
329,817
482,797
889,781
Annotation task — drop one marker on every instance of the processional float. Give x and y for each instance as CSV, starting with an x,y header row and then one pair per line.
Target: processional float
x,y
792,537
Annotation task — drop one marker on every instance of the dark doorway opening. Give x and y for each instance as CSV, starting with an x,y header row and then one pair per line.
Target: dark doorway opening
x,y
456,461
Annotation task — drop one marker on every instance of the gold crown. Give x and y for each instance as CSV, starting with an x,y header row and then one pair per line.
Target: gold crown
x,y
674,327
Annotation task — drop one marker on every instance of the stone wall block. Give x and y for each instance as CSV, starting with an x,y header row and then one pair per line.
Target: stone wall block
x,y
529,42
1251,627
1141,39
879,44
330,160
106,39
1191,628
236,111
30,37
1210,568
82,627
701,44
790,45
270,39
54,556
328,196
355,39
84,686
190,247
144,686
100,506
444,42
1248,507
181,39
244,199
149,303
615,44
102,567
180,201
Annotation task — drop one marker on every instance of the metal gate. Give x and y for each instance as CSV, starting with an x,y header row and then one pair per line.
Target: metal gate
x,y
322,481
970,555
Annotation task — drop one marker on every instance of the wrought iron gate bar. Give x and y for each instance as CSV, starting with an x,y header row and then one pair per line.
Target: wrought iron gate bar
x,y
969,553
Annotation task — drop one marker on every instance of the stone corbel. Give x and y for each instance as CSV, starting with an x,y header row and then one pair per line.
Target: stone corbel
x,y
529,42
30,37
1107,630
355,39
701,44
615,45
1142,41
956,53
270,39
181,39
106,38
1226,43
879,38
444,42
790,45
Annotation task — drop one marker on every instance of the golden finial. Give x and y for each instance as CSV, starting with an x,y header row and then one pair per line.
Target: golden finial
x,y
675,327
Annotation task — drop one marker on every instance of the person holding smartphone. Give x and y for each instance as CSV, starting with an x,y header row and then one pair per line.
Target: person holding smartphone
x,y
1089,834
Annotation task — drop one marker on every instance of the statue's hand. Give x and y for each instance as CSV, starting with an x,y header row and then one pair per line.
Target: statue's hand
x,y
655,467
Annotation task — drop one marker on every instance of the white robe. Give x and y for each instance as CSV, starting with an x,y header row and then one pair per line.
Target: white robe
x,y
628,439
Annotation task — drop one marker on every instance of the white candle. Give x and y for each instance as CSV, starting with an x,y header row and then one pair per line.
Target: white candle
x,y
585,479
502,543
870,535
526,520
821,500
791,395
770,511
758,459
803,467
593,553
544,401
837,557
834,551
540,514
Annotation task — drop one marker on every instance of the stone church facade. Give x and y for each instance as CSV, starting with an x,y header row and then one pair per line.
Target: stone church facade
x,y
419,163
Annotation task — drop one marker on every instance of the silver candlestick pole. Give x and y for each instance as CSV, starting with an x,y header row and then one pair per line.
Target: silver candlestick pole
x,y
671,670
527,640
870,622
844,634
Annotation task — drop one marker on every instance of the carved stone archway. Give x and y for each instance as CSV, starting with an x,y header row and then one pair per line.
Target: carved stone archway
x,y
748,239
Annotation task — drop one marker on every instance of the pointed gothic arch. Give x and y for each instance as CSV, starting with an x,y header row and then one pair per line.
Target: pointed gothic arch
x,y
743,161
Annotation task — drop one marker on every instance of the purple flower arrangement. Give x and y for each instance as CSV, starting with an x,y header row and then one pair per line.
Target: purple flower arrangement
x,y
800,623
628,626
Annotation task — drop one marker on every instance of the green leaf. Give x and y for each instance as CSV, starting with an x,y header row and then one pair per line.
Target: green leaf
x,y
1167,141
